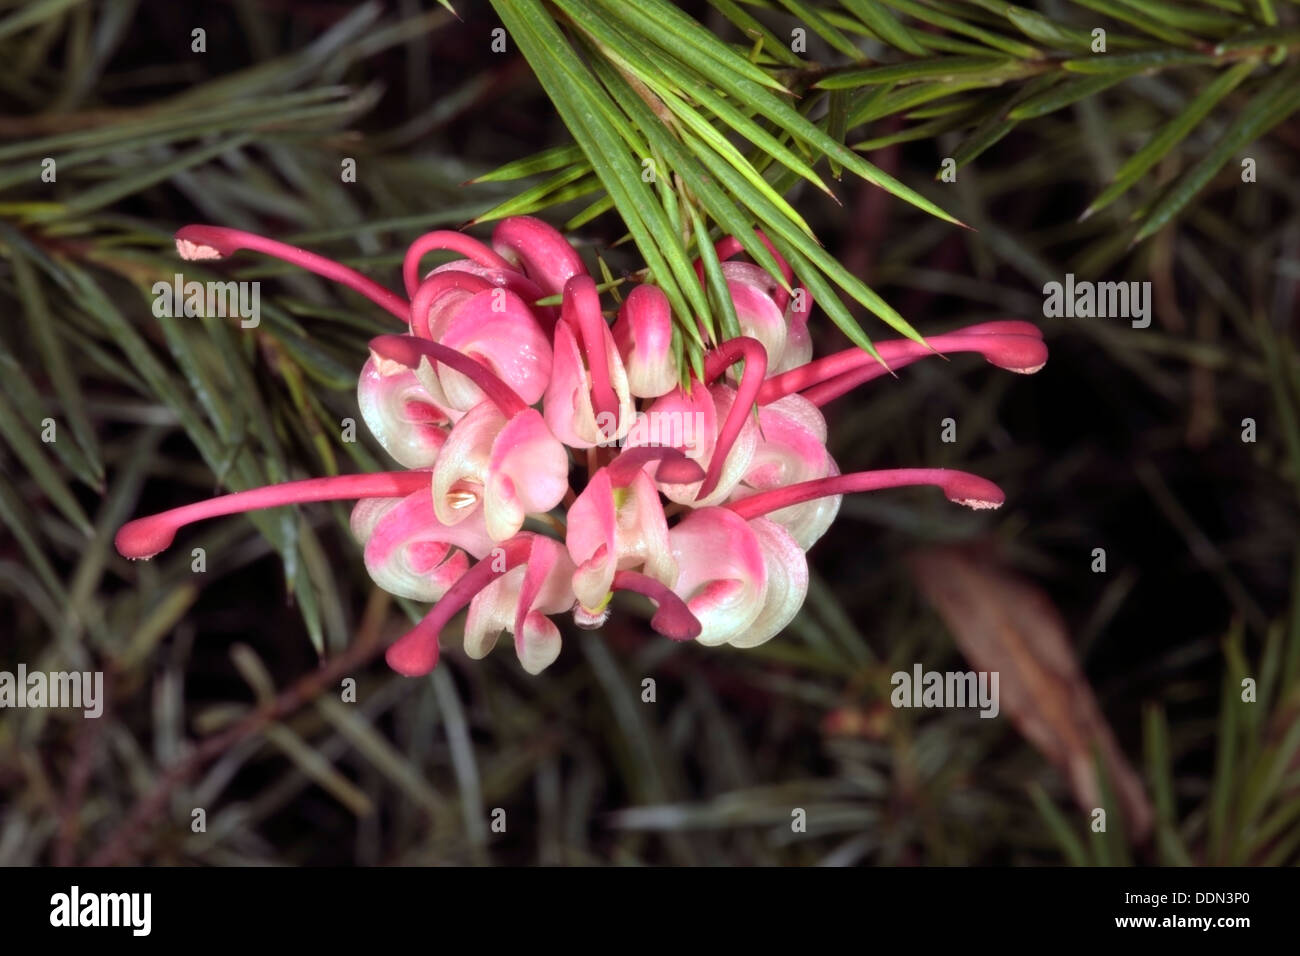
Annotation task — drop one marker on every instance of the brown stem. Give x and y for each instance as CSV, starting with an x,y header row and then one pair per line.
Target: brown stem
x,y
120,846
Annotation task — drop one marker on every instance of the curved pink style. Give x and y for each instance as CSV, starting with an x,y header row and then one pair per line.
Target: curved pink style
x,y
539,250
498,330
1011,345
673,619
569,404
414,353
716,362
960,487
439,297
416,652
217,242
450,241
691,422
511,279
581,311
145,537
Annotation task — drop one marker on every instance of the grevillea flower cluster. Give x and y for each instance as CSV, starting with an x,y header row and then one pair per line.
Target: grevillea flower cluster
x,y
551,458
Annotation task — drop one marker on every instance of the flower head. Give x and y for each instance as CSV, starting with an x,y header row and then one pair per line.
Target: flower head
x,y
487,519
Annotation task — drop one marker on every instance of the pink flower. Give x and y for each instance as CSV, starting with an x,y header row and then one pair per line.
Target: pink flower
x,y
519,601
724,573
409,552
740,455
765,310
791,449
402,415
416,652
588,401
495,328
618,524
500,454
540,250
644,333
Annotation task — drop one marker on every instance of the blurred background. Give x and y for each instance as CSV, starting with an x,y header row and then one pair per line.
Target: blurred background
x,y
1121,688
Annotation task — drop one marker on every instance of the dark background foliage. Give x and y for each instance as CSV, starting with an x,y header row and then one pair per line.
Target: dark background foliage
x,y
1130,440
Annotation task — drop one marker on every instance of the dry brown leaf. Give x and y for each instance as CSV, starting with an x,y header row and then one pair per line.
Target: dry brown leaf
x,y
1003,622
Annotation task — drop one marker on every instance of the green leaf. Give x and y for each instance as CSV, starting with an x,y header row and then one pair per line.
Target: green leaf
x,y
1225,763
548,160
1276,100
86,460
884,25
757,31
576,181
115,189
716,202
655,72
32,14
823,28
20,434
1160,776
933,17
87,294
1063,94
1129,63
1288,37
945,69
785,116
584,216
743,125
678,29
18,517
837,121
994,127
898,101
926,130
717,282
1171,134
586,112
1046,31
1147,24
1187,18
792,242
1075,852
